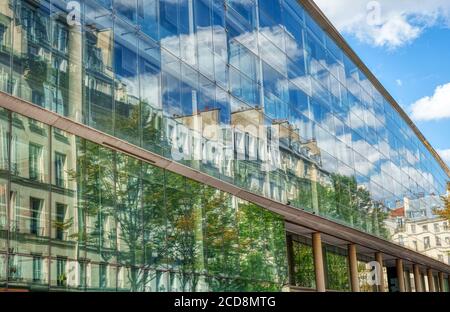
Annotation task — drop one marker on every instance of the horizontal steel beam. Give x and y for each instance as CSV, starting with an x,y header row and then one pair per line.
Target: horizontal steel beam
x,y
291,214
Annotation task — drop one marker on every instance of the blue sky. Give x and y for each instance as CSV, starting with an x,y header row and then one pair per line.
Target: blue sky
x,y
406,44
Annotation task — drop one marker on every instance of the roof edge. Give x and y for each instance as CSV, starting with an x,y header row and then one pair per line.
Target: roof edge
x,y
312,8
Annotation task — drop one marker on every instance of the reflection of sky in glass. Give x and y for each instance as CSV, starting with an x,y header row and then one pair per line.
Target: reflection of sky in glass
x,y
184,58
349,113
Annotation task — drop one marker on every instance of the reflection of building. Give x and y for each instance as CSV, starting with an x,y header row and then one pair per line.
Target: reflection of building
x,y
185,147
414,226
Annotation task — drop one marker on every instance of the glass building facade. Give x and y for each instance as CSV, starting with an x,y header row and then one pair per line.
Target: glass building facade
x,y
254,93
84,217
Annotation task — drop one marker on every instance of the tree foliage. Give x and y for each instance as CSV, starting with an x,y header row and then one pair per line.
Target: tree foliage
x,y
149,220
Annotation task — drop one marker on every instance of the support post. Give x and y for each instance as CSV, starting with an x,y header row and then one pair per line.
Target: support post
x,y
400,275
353,266
318,262
441,282
379,259
431,287
417,278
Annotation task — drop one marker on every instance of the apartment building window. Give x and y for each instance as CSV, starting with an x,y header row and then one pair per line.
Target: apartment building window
x,y
3,145
14,155
441,258
36,162
415,245
413,228
400,225
60,37
3,199
425,228
426,242
37,269
82,273
445,226
436,227
61,271
447,240
36,208
102,275
14,268
401,240
438,241
60,168
2,34
60,217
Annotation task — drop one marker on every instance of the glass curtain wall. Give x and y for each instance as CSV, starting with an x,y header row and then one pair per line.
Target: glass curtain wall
x,y
252,92
337,275
80,216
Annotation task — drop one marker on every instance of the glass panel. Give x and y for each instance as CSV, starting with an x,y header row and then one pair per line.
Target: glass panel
x,y
66,215
97,202
3,268
98,79
126,87
34,43
304,274
6,19
64,273
3,215
129,220
27,270
126,9
101,277
148,17
337,271
154,226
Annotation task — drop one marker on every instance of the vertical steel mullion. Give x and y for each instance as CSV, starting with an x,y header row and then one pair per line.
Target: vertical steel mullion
x,y
113,98
116,251
166,269
9,140
50,199
141,102
84,229
8,199
141,190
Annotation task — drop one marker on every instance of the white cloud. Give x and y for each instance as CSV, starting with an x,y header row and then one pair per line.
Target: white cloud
x,y
399,82
386,23
445,154
433,107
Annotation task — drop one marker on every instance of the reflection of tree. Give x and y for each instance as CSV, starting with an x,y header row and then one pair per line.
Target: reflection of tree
x,y
262,246
304,265
129,216
132,123
95,178
344,200
337,271
185,252
445,211
151,220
